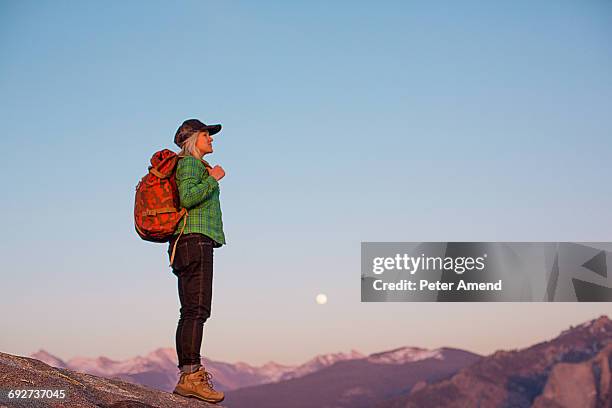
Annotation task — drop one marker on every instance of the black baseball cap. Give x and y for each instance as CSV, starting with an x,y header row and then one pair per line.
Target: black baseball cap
x,y
191,126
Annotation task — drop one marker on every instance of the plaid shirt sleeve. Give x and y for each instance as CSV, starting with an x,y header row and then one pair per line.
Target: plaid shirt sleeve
x,y
195,182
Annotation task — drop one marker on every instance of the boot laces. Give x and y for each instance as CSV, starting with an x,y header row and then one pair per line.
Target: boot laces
x,y
205,377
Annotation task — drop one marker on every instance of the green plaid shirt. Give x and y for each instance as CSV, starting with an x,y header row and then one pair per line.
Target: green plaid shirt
x,y
199,193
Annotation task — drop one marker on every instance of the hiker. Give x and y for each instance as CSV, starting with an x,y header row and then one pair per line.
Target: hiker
x,y
198,186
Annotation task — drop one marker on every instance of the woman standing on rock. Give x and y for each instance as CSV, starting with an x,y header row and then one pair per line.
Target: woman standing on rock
x,y
198,185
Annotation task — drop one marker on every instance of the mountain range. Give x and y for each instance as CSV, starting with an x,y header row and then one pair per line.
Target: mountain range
x,y
158,369
352,378
574,369
356,383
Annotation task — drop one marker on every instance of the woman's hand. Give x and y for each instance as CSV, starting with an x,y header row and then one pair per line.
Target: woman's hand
x,y
217,172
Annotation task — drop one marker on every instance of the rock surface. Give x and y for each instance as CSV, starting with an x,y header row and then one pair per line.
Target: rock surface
x,y
584,384
82,390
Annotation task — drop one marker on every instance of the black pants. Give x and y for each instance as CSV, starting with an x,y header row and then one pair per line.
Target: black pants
x,y
193,265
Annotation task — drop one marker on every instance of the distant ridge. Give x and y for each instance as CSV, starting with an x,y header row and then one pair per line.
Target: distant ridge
x,y
158,369
555,373
356,383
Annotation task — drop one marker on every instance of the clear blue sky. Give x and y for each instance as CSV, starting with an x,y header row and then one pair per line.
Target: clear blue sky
x,y
343,122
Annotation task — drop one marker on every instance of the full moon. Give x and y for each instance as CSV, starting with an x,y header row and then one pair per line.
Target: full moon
x,y
321,299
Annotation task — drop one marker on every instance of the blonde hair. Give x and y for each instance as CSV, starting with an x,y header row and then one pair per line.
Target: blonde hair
x,y
188,148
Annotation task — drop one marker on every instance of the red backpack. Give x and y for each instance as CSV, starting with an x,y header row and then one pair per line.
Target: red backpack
x,y
157,209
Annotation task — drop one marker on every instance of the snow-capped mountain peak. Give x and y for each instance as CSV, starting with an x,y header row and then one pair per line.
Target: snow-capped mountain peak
x,y
319,362
404,355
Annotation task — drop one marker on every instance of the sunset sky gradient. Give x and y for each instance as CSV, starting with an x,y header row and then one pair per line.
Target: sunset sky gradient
x,y
342,122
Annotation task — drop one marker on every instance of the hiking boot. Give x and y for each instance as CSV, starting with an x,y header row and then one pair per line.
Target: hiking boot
x,y
198,385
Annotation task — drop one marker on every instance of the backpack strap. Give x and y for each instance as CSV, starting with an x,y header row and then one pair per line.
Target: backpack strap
x,y
157,173
206,164
184,210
